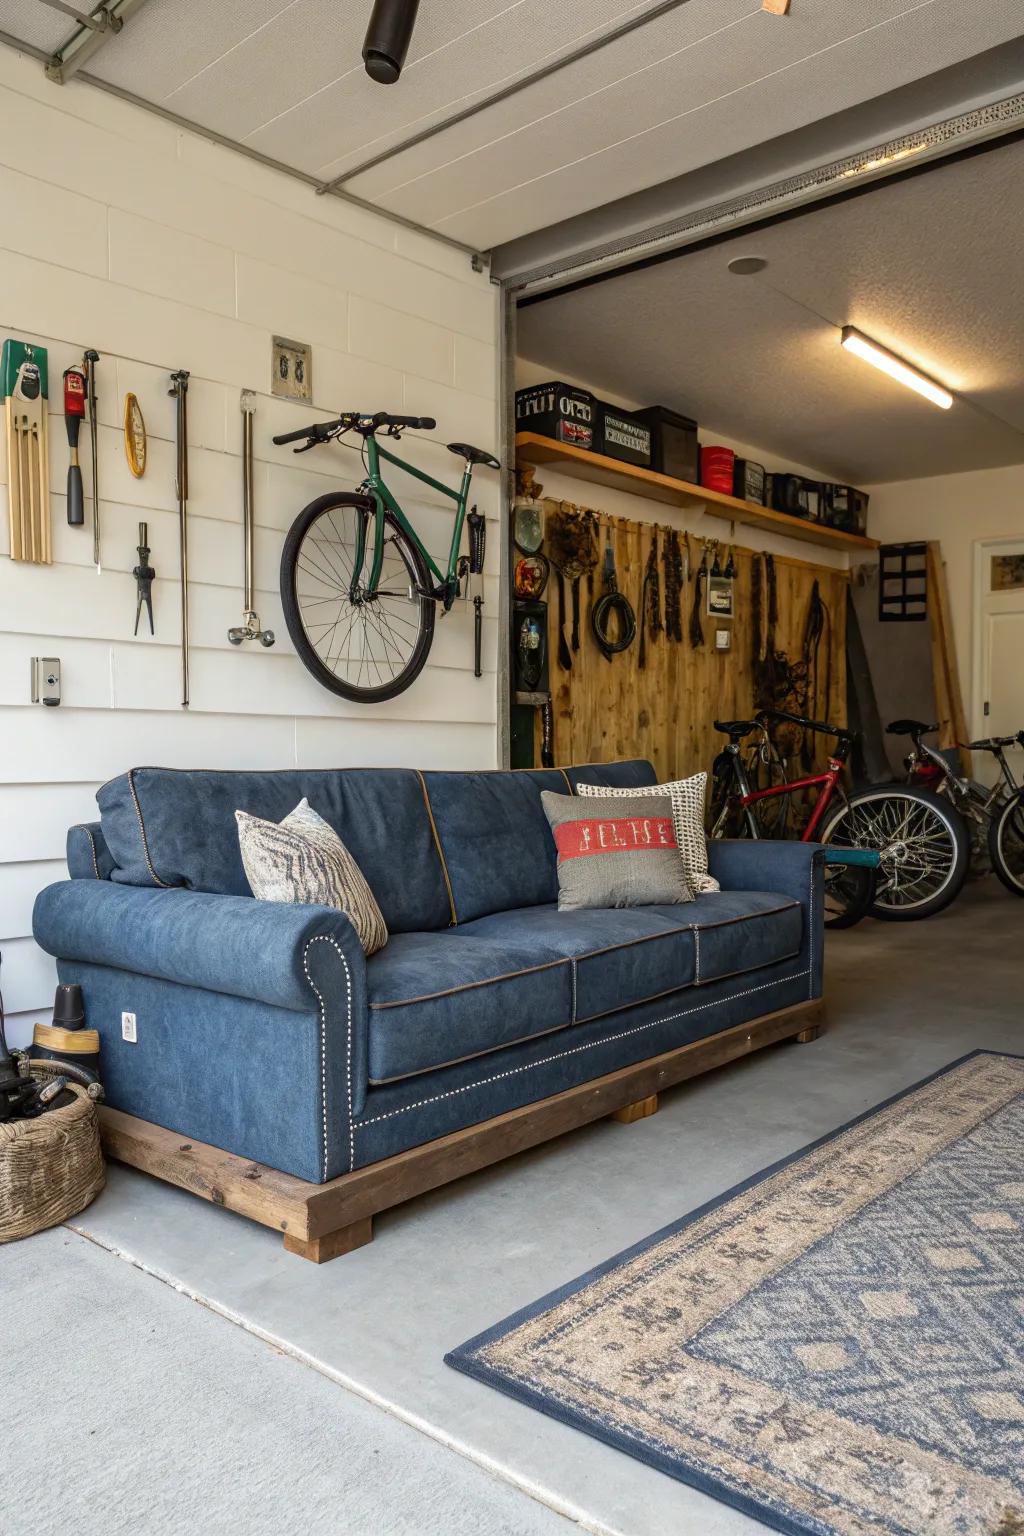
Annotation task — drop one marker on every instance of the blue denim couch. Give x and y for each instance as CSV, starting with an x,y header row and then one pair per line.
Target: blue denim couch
x,y
263,1030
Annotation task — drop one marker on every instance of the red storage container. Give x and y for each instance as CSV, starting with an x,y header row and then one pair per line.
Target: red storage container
x,y
717,465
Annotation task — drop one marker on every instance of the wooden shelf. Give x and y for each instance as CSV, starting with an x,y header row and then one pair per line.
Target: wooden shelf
x,y
595,467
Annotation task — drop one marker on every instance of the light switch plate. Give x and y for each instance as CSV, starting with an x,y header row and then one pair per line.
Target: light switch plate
x,y
129,1028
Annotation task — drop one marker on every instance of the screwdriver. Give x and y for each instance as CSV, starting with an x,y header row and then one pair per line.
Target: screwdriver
x,y
74,410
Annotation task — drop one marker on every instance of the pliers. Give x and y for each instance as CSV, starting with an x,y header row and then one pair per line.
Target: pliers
x,y
144,574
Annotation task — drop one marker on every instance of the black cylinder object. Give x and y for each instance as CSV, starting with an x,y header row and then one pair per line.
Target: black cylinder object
x,y
388,37
68,1008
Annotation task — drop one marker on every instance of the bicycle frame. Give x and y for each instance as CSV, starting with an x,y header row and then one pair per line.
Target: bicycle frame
x,y
933,767
828,781
447,587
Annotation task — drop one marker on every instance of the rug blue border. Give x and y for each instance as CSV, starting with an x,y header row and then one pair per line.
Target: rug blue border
x,y
462,1358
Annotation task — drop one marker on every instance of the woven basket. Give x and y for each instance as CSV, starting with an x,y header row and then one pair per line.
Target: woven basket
x,y
50,1167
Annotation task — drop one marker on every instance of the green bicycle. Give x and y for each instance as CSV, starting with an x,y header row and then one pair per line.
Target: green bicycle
x,y
359,588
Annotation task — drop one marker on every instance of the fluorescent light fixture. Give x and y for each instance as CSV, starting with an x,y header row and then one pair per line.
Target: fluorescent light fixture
x,y
879,357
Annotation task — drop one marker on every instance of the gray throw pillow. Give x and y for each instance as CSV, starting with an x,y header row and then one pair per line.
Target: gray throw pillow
x,y
616,853
302,859
687,796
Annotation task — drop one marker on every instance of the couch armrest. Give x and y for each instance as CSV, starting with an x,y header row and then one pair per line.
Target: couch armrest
x,y
794,869
746,864
255,949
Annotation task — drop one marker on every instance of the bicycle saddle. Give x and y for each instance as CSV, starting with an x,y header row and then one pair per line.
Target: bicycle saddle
x,y
736,727
474,455
909,728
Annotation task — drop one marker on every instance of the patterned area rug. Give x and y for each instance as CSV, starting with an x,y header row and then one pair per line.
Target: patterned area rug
x,y
834,1347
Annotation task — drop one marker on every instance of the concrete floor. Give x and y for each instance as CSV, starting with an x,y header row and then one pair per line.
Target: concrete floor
x,y
903,1001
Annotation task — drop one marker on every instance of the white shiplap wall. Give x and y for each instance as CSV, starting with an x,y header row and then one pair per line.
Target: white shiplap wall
x,y
121,232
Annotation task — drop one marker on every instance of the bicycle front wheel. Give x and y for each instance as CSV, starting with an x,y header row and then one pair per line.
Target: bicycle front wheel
x,y
365,646
923,847
1006,843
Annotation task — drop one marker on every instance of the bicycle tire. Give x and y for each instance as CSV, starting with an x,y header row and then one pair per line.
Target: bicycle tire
x,y
852,890
1009,821
917,812
421,626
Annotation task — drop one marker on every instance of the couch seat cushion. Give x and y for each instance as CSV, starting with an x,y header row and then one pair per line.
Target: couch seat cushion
x,y
437,998
738,931
621,955
625,956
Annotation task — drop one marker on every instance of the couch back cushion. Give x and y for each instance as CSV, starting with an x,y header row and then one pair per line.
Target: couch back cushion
x,y
494,835
175,827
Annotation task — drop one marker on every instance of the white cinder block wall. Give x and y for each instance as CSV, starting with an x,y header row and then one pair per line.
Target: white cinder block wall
x,y
121,232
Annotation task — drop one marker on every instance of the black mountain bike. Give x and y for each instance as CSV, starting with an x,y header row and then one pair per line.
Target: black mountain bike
x,y
359,587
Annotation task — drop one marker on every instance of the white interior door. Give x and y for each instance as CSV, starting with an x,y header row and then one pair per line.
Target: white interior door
x,y
999,631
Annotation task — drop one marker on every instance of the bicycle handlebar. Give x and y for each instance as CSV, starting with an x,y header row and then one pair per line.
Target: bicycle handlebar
x,y
811,725
321,431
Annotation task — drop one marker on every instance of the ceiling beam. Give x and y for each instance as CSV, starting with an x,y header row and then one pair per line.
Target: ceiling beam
x,y
102,23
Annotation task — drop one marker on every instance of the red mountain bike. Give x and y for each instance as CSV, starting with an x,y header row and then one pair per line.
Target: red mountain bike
x,y
739,809
918,837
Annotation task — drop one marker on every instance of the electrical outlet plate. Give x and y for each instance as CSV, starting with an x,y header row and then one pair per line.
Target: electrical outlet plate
x,y
291,368
723,639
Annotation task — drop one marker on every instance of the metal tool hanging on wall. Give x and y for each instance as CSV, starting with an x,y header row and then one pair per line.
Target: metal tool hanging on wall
x,y
144,574
89,362
74,410
250,628
179,389
477,525
24,384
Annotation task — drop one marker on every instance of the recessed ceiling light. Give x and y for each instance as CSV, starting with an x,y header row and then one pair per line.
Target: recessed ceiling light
x,y
887,362
746,266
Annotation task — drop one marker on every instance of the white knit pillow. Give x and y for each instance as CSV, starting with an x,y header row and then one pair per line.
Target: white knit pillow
x,y
687,797
302,859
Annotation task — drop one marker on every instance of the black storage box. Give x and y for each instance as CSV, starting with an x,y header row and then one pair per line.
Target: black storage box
x,y
624,436
674,448
748,481
846,508
560,411
789,494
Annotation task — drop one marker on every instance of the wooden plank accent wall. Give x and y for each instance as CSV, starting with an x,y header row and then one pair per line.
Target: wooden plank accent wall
x,y
606,710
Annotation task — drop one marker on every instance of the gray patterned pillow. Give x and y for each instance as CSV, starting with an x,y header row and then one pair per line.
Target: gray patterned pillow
x,y
302,859
621,855
687,796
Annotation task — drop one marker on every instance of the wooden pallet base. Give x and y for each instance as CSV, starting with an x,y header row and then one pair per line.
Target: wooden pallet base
x,y
638,1111
324,1221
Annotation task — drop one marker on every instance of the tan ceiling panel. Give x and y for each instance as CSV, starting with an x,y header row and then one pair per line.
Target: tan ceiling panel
x,y
168,41
925,266
34,23
764,77
350,119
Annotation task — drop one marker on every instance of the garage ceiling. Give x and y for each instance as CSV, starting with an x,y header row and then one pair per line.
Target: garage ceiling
x,y
929,266
697,81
